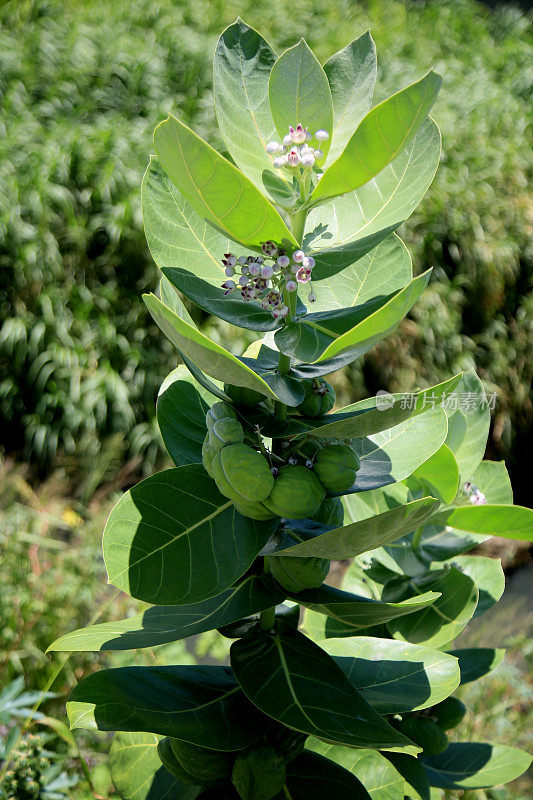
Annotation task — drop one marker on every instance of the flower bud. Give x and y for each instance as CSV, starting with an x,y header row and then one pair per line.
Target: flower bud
x,y
229,286
230,259
308,160
298,256
273,147
294,158
321,135
283,261
291,286
254,269
242,261
312,297
308,262
287,140
244,280
267,271
280,161
318,155
230,271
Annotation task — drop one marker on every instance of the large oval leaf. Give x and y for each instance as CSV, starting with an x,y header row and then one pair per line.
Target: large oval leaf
x,y
201,705
204,353
162,624
376,773
348,227
441,474
312,777
297,683
468,424
476,765
217,190
347,334
299,92
241,71
475,662
181,408
395,677
352,76
510,522
379,138
367,534
488,575
173,538
440,623
137,771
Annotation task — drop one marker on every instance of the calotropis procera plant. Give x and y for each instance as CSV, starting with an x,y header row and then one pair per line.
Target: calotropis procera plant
x,y
330,692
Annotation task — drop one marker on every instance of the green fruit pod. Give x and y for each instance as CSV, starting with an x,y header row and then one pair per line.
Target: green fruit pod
x,y
259,773
425,733
241,473
298,574
171,763
336,467
219,411
243,396
208,453
207,767
331,512
225,431
253,510
319,398
449,713
297,493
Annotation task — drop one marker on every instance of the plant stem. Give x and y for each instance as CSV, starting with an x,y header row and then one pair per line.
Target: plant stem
x,y
298,224
417,536
267,618
287,793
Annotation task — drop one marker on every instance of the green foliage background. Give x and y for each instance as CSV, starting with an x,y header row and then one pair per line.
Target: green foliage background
x,y
82,84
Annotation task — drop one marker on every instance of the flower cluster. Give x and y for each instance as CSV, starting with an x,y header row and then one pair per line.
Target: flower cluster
x,y
265,278
295,151
474,495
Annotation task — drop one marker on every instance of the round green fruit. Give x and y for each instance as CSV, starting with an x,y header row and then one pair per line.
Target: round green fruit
x,y
319,398
331,512
259,773
207,767
336,467
297,574
253,510
225,431
297,493
208,453
241,473
243,396
425,733
219,411
449,713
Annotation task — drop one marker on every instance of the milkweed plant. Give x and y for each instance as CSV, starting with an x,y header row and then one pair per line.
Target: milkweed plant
x,y
330,692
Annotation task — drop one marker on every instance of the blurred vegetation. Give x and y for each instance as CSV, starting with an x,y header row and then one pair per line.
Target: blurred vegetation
x,y
82,84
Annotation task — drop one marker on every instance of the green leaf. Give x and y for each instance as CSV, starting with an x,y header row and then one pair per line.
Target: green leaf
x,y
313,777
173,538
372,415
349,333
347,613
376,773
441,474
475,662
162,624
294,681
205,354
352,76
395,677
170,297
380,137
476,765
137,771
468,424
416,784
241,71
488,575
217,190
348,227
181,408
213,300
367,534
440,623
384,270
392,455
493,480
299,92
201,705
177,236
510,522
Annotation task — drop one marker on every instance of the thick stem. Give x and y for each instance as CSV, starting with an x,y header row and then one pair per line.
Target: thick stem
x,y
298,224
417,536
267,618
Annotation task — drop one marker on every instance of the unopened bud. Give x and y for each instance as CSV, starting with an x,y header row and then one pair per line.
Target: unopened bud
x,y
308,262
318,155
298,256
321,135
254,269
244,280
308,160
309,464
283,261
291,286
273,147
230,271
287,140
242,260
267,271
280,161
